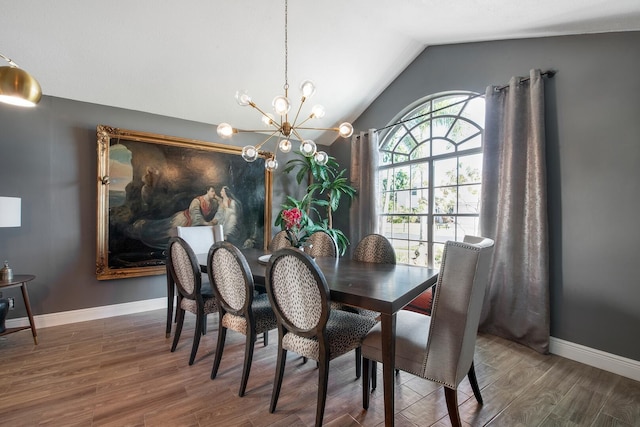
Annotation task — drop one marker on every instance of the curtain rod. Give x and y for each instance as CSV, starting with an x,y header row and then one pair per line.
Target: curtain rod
x,y
548,73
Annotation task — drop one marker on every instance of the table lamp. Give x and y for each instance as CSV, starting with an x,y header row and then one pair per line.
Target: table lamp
x,y
10,214
10,211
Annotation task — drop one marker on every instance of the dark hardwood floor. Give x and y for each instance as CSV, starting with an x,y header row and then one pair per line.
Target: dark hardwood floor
x,y
120,372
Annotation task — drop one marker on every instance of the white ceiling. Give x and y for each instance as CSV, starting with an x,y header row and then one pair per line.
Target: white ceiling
x,y
187,59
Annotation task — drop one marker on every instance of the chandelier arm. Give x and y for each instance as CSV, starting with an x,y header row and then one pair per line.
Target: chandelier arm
x,y
303,128
298,112
303,122
255,130
268,138
295,132
271,122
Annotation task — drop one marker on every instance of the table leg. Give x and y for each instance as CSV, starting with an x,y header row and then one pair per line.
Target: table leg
x,y
27,305
170,295
388,326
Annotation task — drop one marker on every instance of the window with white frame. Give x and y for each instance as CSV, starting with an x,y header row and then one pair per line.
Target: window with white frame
x,y
430,175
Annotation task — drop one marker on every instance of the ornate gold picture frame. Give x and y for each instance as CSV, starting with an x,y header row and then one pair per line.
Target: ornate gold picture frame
x,y
148,184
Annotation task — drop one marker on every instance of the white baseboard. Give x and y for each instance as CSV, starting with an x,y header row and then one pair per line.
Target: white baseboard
x,y
589,356
598,359
85,314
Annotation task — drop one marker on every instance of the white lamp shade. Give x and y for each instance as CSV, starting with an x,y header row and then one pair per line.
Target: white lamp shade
x,y
10,211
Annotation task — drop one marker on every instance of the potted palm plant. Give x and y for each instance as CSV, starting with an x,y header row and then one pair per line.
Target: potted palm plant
x,y
328,185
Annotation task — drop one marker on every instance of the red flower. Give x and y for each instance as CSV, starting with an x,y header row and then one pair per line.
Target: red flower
x,y
292,218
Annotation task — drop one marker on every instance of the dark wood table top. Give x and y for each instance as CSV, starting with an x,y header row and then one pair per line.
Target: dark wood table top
x,y
18,279
385,288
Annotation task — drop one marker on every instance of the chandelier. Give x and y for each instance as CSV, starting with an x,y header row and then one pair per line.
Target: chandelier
x,y
282,127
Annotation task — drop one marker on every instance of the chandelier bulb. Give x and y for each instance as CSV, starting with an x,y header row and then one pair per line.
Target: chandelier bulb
x,y
268,119
308,148
321,158
271,164
285,145
243,98
249,153
308,88
224,130
281,105
345,130
318,111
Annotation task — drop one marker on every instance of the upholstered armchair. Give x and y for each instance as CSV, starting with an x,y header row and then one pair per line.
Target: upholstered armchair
x,y
440,347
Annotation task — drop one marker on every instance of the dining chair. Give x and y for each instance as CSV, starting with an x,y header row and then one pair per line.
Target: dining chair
x,y
440,347
185,272
279,241
300,298
239,307
377,249
199,238
321,244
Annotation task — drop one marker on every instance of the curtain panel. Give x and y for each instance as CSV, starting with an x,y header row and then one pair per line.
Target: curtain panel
x,y
363,215
514,213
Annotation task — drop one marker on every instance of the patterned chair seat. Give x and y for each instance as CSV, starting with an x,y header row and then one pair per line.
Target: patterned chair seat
x,y
344,330
262,312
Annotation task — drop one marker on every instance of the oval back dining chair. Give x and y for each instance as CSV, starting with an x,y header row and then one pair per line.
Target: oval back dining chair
x,y
300,298
373,248
321,244
183,266
240,308
279,241
200,237
440,347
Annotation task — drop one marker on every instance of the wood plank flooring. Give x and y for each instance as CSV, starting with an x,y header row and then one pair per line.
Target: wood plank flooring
x,y
120,372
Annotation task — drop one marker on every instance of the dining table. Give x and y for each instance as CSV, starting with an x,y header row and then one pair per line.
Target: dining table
x,y
385,288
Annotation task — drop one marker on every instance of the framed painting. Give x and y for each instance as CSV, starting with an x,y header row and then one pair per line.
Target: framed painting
x,y
148,184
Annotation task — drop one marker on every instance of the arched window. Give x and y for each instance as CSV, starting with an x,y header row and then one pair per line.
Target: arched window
x,y
430,175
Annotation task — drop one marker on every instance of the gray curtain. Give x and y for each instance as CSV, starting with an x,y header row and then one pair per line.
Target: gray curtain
x,y
363,216
514,213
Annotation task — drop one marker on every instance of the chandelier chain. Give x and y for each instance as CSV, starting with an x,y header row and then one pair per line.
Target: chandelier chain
x,y
286,48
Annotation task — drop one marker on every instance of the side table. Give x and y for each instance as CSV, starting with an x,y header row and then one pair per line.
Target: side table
x,y
22,280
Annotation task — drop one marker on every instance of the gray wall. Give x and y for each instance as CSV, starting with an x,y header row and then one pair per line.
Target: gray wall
x,y
48,158
593,153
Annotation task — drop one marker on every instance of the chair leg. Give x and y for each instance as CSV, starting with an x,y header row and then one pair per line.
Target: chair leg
x,y
265,338
366,378
374,374
248,357
323,381
222,335
196,338
179,322
474,384
358,362
170,297
277,384
451,396
204,325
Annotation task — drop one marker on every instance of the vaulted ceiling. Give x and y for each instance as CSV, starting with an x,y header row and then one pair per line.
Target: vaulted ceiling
x,y
187,59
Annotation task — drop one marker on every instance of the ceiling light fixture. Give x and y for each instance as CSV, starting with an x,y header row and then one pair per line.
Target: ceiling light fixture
x,y
282,127
17,87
